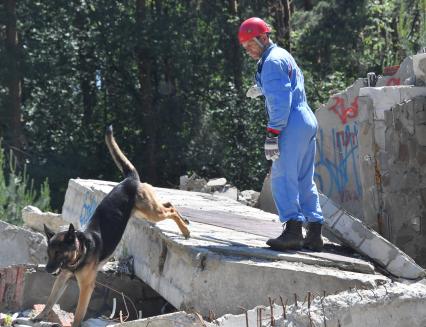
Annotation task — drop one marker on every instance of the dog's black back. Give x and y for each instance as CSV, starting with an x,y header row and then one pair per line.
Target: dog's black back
x,y
110,218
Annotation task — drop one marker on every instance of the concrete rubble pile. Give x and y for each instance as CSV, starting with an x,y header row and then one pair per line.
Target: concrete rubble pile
x,y
219,187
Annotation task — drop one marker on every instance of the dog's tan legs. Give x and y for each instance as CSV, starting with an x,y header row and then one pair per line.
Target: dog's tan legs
x,y
86,282
169,205
171,213
86,279
58,289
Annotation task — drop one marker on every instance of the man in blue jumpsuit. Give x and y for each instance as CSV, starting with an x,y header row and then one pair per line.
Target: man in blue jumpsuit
x,y
290,139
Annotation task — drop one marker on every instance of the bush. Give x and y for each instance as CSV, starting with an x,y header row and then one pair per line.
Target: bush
x,y
17,190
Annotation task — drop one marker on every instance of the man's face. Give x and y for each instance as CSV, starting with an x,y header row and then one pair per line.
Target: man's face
x,y
253,49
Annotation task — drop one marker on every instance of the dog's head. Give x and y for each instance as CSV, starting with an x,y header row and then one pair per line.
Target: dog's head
x,y
62,248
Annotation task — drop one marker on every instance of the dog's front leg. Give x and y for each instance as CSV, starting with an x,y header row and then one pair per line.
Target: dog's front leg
x,y
86,279
58,289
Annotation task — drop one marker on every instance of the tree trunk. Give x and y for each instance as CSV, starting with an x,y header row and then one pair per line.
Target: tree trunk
x,y
146,97
86,65
236,59
12,115
308,5
281,14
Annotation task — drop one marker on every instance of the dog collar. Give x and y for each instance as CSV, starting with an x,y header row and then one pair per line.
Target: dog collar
x,y
80,249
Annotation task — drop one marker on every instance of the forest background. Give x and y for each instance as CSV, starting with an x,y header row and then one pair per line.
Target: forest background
x,y
171,77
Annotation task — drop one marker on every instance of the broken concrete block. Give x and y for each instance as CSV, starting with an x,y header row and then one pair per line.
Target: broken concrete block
x,y
192,183
231,193
21,322
176,319
358,236
65,319
216,183
390,304
97,322
35,218
21,246
249,197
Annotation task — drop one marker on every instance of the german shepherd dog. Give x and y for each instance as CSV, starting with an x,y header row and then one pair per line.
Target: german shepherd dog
x,y
82,253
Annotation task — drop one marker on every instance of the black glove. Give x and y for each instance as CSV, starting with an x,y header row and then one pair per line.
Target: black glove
x,y
272,151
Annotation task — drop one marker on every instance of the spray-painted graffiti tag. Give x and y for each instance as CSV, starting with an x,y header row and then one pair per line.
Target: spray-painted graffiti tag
x,y
337,170
89,206
344,112
393,81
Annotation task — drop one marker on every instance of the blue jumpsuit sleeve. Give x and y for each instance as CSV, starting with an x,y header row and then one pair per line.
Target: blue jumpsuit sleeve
x,y
276,87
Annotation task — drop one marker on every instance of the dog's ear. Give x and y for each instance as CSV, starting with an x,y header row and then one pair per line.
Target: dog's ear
x,y
49,233
70,236
71,229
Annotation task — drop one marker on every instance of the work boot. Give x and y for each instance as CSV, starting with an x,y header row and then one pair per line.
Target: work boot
x,y
313,239
290,239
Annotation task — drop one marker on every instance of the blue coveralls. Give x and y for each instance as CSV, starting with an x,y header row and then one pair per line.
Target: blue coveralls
x,y
292,175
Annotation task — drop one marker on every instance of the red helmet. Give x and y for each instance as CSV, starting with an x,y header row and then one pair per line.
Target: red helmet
x,y
251,28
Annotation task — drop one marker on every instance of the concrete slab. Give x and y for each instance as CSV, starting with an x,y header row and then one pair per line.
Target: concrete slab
x,y
219,268
365,240
35,219
392,304
21,246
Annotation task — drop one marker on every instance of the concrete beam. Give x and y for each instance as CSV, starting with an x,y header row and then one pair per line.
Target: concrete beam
x,y
392,304
366,241
218,269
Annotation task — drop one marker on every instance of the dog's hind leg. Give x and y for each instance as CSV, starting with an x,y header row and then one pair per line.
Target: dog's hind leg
x,y
171,213
86,279
58,289
169,205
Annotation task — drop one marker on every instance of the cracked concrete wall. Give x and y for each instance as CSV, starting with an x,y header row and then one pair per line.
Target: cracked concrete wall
x,y
336,166
370,164
338,172
404,182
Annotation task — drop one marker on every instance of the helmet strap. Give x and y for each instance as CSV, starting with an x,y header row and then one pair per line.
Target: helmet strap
x,y
258,42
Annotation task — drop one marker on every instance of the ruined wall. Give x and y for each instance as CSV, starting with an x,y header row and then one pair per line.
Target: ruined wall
x,y
404,183
371,164
374,103
338,162
336,166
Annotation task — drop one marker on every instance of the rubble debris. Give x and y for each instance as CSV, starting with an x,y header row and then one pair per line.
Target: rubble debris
x,y
21,322
56,315
249,197
97,322
218,187
35,218
176,319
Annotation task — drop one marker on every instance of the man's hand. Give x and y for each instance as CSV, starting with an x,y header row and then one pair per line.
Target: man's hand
x,y
272,151
254,92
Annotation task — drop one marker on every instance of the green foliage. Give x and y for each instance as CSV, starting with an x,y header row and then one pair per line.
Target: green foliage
x,y
17,190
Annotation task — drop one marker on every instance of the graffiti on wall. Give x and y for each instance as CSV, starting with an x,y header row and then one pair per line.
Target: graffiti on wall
x,y
89,206
343,112
338,173
393,81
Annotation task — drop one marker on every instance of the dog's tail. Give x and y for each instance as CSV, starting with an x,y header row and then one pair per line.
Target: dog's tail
x,y
120,159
